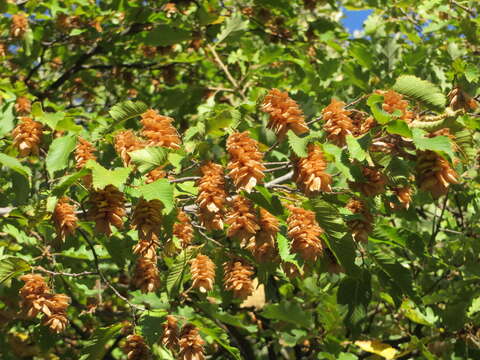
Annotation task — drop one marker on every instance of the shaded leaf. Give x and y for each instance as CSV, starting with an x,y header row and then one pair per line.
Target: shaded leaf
x,y
96,346
127,110
11,267
15,165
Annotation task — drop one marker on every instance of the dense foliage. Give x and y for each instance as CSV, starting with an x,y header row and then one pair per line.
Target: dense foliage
x,y
239,179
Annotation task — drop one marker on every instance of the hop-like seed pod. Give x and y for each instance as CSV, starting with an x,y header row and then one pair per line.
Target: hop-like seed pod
x,y
361,123
19,25
27,136
373,183
146,275
243,220
309,172
23,106
64,218
434,173
203,273
245,165
37,298
3,49
84,151
107,209
191,344
263,248
147,219
404,195
183,229
394,101
338,123
154,175
55,316
459,99
305,233
33,293
135,348
170,333
159,131
285,114
126,141
361,226
238,278
211,196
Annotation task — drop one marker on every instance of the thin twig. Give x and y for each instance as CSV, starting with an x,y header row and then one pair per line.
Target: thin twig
x,y
56,273
226,71
280,179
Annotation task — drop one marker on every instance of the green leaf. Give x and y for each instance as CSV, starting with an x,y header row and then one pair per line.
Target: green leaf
x,y
362,54
58,153
355,292
11,267
375,102
412,312
420,90
96,347
265,199
341,159
232,25
356,149
283,245
151,325
290,312
164,35
223,117
298,144
6,119
437,143
175,277
67,181
160,189
127,110
399,127
51,119
15,165
472,73
149,158
102,177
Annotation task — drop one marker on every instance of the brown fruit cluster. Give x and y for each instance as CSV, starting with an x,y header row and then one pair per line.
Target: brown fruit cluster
x,y
147,219
434,173
373,183
361,123
305,233
170,333
38,298
404,195
191,344
3,49
203,273
394,101
459,99
107,208
360,227
211,196
135,348
338,123
64,218
27,136
242,220
263,248
154,175
146,276
285,114
309,172
158,129
126,141
19,25
183,229
23,106
245,165
238,278
84,151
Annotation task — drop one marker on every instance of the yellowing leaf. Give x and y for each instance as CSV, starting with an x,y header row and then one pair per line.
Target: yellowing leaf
x,y
377,347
